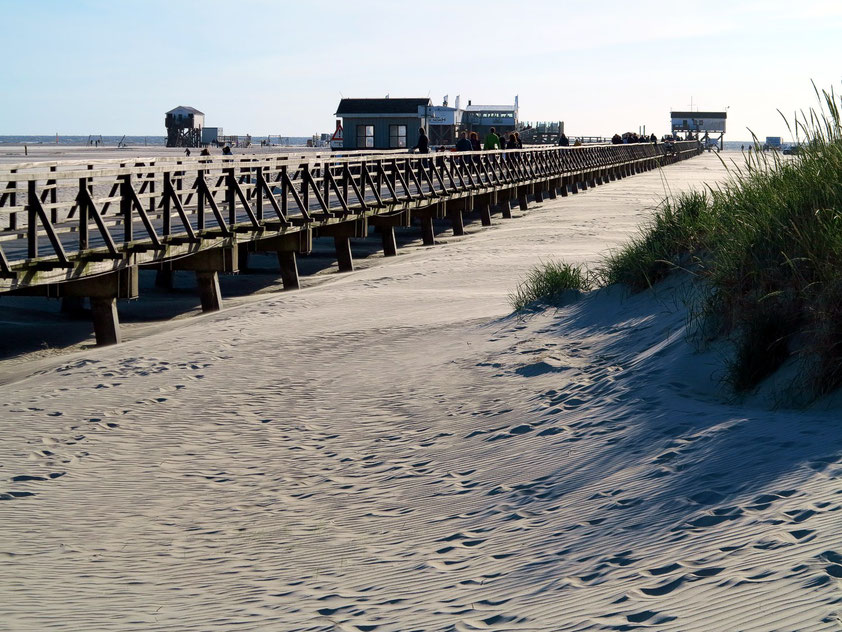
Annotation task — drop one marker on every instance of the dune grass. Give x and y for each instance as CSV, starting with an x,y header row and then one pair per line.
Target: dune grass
x,y
547,282
767,245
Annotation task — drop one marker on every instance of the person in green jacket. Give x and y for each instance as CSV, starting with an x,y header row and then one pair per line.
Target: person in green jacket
x,y
492,141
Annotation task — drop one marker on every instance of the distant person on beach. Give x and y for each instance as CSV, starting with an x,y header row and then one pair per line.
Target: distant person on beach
x,y
475,141
463,144
423,144
187,152
492,141
205,152
563,141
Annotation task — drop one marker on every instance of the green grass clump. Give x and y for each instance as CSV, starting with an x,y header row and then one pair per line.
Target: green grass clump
x,y
547,282
677,231
769,244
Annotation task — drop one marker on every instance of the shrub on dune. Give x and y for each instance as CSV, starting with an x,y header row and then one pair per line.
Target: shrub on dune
x,y
547,283
769,245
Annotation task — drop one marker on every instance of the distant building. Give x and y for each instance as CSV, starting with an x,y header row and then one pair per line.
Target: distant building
x,y
481,118
210,135
700,125
445,123
698,121
382,123
184,127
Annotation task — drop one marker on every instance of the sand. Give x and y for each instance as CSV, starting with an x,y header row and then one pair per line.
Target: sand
x,y
391,450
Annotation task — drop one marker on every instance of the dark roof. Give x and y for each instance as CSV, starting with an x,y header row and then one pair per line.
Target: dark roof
x,y
188,108
692,115
380,106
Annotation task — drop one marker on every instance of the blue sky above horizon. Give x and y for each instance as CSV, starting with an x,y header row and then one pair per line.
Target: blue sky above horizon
x,y
279,67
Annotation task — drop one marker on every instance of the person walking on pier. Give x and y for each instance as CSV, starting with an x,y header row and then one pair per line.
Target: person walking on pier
x,y
492,141
463,144
474,138
518,140
563,141
423,145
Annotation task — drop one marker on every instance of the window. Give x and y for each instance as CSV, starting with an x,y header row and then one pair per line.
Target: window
x,y
397,136
365,136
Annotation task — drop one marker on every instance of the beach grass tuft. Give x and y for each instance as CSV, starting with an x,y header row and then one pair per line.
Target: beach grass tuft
x,y
767,247
768,243
547,283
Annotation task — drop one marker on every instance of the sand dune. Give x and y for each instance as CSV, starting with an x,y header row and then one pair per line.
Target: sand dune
x,y
390,450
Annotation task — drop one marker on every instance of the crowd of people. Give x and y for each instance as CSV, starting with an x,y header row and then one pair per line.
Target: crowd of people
x,y
633,137
466,142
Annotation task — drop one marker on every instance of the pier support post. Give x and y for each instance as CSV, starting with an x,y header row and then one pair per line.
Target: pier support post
x,y
457,222
538,196
106,321
209,294
390,244
428,235
485,213
286,247
342,234
563,187
386,225
289,269
343,253
522,198
102,290
551,190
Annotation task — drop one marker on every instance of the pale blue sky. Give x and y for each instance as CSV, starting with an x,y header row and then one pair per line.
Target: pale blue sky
x,y
279,67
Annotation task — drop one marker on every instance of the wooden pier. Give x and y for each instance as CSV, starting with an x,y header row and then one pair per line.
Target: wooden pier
x,y
76,230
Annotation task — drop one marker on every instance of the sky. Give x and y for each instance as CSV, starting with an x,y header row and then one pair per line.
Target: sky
x,y
280,67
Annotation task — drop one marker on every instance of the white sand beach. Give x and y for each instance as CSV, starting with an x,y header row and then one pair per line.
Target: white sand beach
x,y
391,450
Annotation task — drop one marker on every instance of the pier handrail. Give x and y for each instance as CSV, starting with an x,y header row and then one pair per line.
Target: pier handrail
x,y
58,220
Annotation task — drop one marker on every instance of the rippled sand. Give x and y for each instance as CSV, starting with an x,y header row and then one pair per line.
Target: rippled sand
x,y
389,450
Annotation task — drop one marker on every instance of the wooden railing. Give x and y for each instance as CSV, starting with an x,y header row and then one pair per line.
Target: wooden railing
x,y
62,221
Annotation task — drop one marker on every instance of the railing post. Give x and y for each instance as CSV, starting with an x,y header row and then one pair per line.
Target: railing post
x,y
84,210
53,196
200,200
231,196
261,183
31,221
126,206
13,199
168,193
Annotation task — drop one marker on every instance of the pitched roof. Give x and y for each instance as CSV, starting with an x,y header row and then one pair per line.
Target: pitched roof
x,y
380,106
188,108
688,115
490,108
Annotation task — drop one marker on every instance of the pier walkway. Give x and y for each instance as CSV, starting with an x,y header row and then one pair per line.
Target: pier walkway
x,y
76,230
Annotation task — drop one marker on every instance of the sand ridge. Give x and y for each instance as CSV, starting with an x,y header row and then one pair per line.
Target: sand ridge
x,y
393,452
